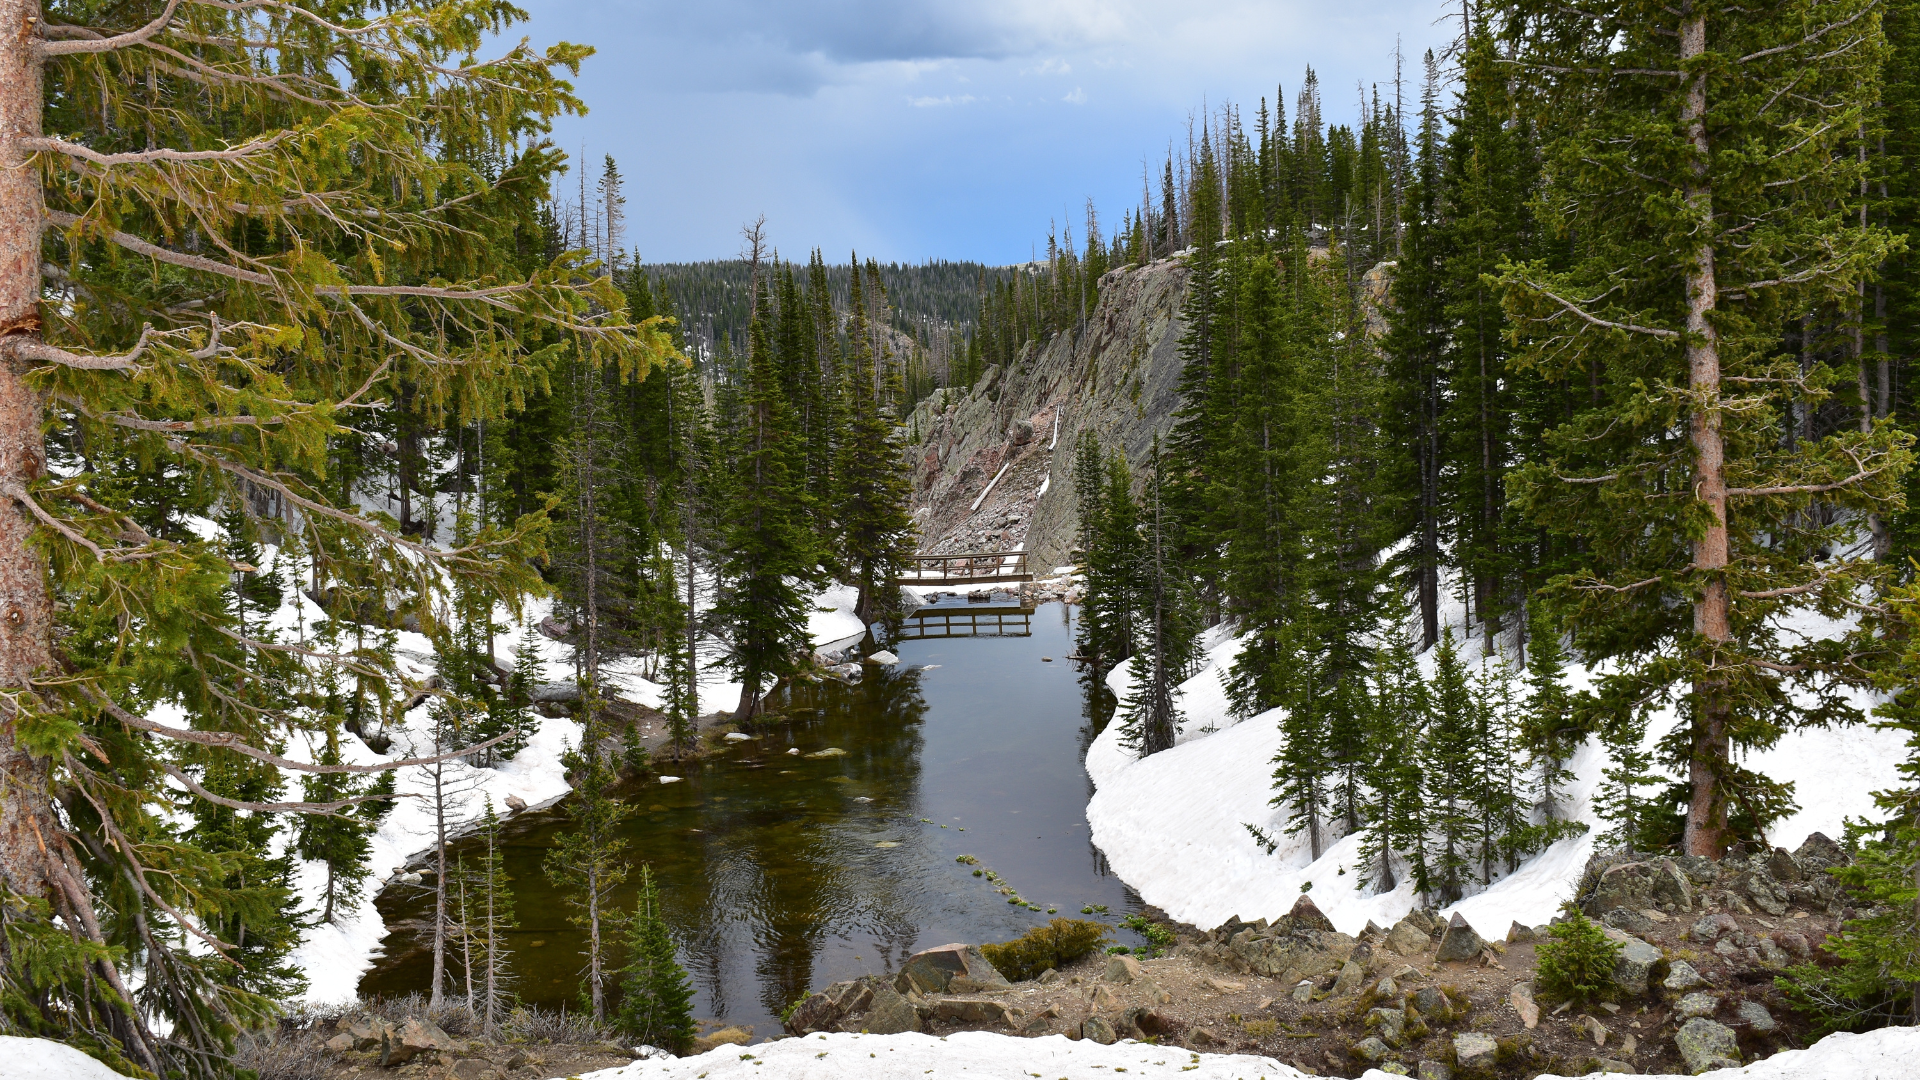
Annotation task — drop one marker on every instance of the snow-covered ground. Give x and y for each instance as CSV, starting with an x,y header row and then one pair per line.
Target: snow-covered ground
x,y
979,1055
1173,825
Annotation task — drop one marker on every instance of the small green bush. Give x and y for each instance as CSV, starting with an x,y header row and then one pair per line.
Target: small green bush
x,y
1061,941
1577,964
1159,938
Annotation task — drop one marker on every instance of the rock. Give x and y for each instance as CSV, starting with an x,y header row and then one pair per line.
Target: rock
x,y
411,1039
967,1011
1704,1044
1518,933
1389,1024
1303,992
1627,919
1683,977
1794,942
1472,1050
1460,941
471,1069
932,971
1408,939
1430,1001
1609,1065
883,657
1594,1028
1819,854
1634,965
1368,1049
1433,1070
1772,954
821,1011
1101,997
340,1043
890,1014
1048,976
1655,883
1222,986
1350,978
1713,928
1386,988
1521,998
515,804
1305,916
1020,432
1783,866
1036,1027
1697,1004
1122,969
829,752
367,1032
1764,892
1153,992
1097,1029
1756,1018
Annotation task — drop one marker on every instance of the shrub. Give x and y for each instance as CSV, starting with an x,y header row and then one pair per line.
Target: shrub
x,y
1159,938
1577,963
1061,941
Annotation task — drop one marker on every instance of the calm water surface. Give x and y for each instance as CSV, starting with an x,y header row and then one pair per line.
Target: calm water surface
x,y
782,873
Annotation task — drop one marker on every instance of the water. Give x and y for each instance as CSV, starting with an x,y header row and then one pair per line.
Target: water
x,y
784,873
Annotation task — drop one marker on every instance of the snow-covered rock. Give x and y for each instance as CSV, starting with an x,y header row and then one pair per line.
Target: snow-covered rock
x,y
44,1059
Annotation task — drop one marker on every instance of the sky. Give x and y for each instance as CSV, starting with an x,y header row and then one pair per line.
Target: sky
x,y
918,129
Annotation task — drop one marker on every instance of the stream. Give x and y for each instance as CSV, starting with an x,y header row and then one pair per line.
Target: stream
x,y
781,873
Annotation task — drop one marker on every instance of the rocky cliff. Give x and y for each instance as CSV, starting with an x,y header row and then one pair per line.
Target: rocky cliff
x,y
993,464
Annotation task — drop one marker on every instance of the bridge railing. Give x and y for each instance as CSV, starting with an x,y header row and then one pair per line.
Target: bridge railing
x,y
980,566
960,622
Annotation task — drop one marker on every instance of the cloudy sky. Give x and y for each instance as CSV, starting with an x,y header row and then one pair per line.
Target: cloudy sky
x,y
914,129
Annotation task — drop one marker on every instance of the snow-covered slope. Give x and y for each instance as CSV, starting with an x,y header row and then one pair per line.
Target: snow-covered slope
x,y
977,1055
1173,825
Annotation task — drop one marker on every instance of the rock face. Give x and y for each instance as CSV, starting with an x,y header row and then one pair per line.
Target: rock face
x,y
1118,377
890,1014
1286,949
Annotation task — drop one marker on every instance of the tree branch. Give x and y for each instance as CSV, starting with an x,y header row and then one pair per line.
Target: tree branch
x,y
109,44
148,157
1596,320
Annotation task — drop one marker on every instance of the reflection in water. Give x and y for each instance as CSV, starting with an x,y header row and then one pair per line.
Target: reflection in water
x,y
781,872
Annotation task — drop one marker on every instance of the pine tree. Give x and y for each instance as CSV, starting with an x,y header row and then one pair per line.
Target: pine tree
x,y
1548,731
1161,655
1447,761
589,856
874,533
656,1000
343,837
485,913
1622,799
1704,212
1394,820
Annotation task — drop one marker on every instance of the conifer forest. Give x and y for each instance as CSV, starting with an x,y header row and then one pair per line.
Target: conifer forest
x,y
1539,461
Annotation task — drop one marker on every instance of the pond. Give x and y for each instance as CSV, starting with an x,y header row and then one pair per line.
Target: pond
x,y
782,873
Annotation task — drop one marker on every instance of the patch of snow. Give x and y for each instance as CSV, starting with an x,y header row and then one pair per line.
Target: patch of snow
x,y
44,1059
1173,826
1045,482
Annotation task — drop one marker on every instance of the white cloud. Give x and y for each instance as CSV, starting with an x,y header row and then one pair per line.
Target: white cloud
x,y
1053,65
1076,97
936,102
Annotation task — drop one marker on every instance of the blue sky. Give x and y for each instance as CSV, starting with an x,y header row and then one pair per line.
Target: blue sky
x,y
914,129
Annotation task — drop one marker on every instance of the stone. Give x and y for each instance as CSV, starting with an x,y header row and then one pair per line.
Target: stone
x,y
1683,977
1371,1049
1697,1004
1122,969
1655,883
1818,854
1713,928
1222,986
1518,933
367,1032
1048,976
1303,993
1386,987
1036,1027
412,1039
1472,1050
1609,1065
1424,920
1433,1070
1350,978
1521,998
1765,892
1460,941
1756,1018
1430,1001
1394,1068
515,804
472,1069
1704,1044
1101,996
1595,1029
1629,920
1202,1037
1783,866
1794,942
1408,939
1772,954
1373,930
1154,992
340,1043
883,657
1634,965
1098,1029
1305,916
970,1011
1020,432
1389,1024
890,1013
931,971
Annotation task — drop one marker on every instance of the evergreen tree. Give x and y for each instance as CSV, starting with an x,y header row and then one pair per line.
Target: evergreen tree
x,y
1394,818
656,1000
875,534
1447,762
1548,731
589,856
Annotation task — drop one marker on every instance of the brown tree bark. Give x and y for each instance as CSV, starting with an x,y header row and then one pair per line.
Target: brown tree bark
x,y
1707,814
27,827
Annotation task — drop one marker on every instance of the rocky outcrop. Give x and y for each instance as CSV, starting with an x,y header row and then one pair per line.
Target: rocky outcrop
x,y
1014,430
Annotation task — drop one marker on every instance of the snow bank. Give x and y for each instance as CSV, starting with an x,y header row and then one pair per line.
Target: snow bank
x,y
1878,1055
44,1059
1173,826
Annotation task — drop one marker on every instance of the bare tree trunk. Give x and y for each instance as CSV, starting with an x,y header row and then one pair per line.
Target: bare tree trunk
x,y
438,995
1707,813
593,946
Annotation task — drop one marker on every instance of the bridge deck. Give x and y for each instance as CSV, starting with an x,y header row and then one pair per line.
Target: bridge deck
x,y
971,568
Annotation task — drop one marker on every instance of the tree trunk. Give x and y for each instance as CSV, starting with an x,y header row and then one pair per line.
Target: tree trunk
x,y
1707,814
436,998
27,826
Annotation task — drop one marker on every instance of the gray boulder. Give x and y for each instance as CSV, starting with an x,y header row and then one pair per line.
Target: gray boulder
x,y
1783,866
1683,977
1653,883
1472,1050
1371,1049
1306,916
932,971
967,1011
1389,1024
1634,966
1756,1018
1350,977
1122,969
1518,933
1704,1044
1430,1001
1433,1070
1697,1004
1629,920
1460,942
890,1013
412,1039
1407,939
1713,928
1818,854
1097,1029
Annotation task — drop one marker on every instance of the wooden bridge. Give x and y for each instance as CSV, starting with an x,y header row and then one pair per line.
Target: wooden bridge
x,y
974,568
976,621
